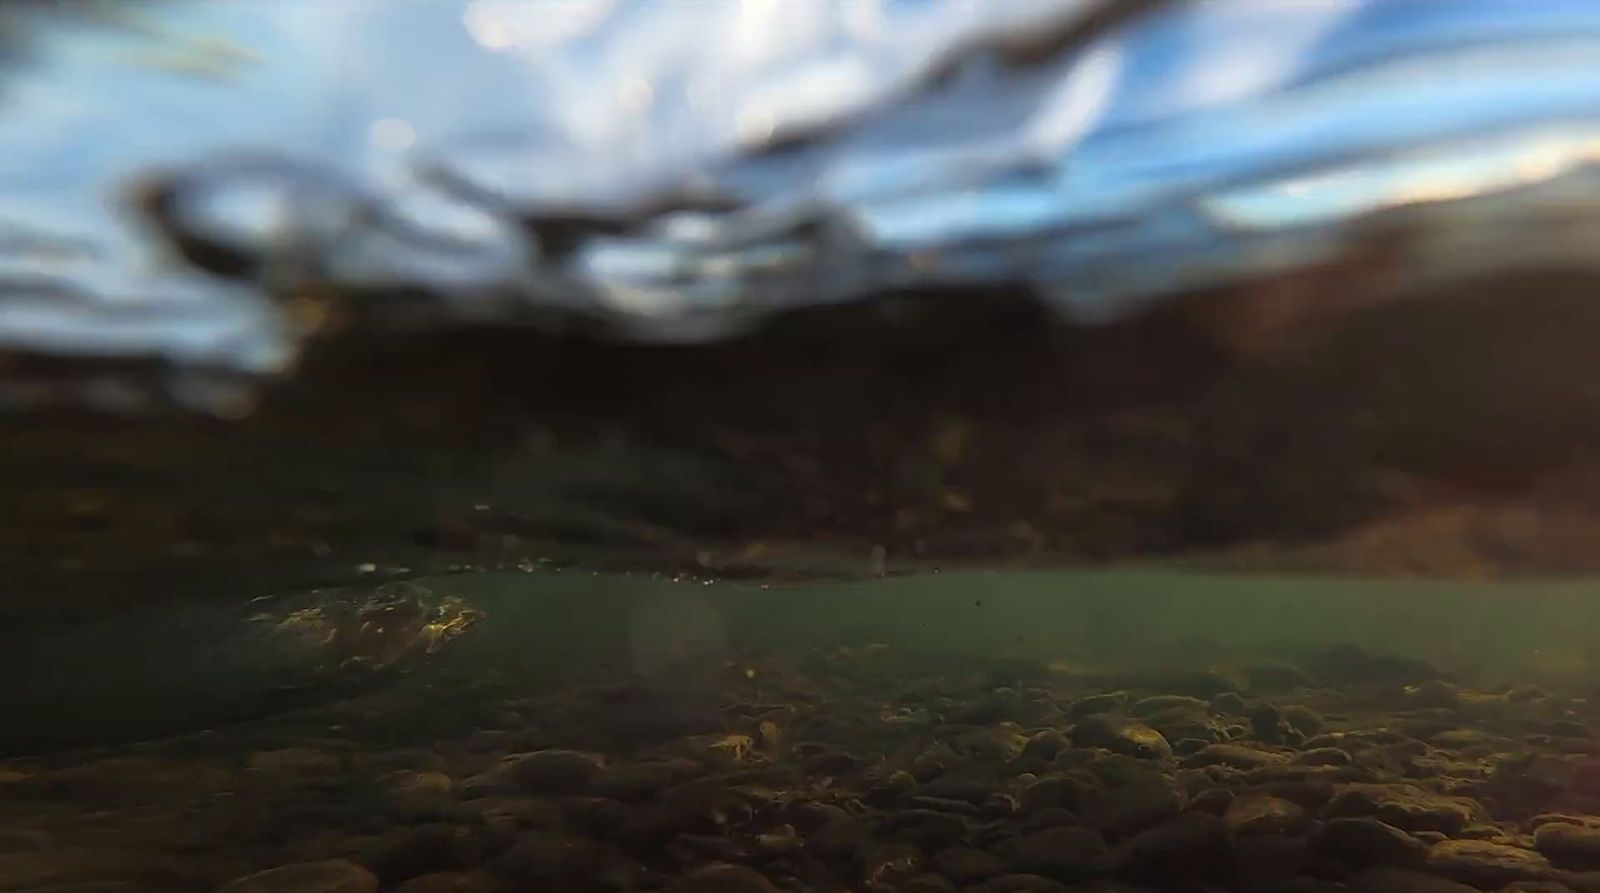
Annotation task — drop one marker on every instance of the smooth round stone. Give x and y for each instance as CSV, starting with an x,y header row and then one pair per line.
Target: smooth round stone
x,y
329,876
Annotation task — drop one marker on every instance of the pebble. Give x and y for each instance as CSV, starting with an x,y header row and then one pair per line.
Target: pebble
x,y
328,876
1229,703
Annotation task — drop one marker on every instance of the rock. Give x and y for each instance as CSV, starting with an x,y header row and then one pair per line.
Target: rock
x,y
928,829
451,882
1212,800
1486,865
1387,879
1405,806
552,860
808,815
1107,702
1323,756
555,771
839,840
1059,791
965,865
1362,842
970,785
884,866
1133,806
1192,846
414,795
998,806
1121,736
1569,846
723,878
831,762
1156,704
1046,744
593,816
640,781
1302,719
1234,756
1265,723
1257,815
1062,854
411,851
328,876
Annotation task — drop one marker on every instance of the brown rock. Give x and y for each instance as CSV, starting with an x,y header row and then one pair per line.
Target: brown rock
x,y
555,771
1486,865
1121,736
1360,842
1192,846
1405,806
1062,854
1255,815
1569,846
966,865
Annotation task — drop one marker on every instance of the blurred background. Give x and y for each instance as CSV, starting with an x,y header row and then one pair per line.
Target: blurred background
x,y
303,293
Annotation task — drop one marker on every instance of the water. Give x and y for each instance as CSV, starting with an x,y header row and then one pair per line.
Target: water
x,y
745,446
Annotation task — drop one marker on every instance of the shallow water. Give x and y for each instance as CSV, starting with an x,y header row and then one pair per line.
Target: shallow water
x,y
737,724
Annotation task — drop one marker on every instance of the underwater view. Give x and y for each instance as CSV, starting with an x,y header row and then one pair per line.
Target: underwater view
x,y
855,446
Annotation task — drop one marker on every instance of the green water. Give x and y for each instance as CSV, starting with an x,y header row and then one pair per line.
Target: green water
x,y
180,669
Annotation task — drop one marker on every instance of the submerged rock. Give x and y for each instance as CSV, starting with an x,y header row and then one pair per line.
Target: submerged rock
x,y
1121,736
1062,854
1569,845
1361,842
1486,865
1192,846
